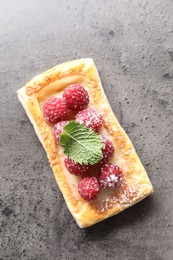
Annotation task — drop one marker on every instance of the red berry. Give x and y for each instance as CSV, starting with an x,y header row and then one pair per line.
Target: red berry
x,y
54,109
76,97
75,168
90,118
58,129
108,150
88,188
110,176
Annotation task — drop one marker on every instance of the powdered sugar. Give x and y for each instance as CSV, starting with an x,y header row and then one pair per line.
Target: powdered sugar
x,y
88,188
108,150
54,109
110,176
125,195
76,97
58,129
75,168
90,118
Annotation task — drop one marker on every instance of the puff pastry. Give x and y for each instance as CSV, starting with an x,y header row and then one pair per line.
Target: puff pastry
x,y
136,185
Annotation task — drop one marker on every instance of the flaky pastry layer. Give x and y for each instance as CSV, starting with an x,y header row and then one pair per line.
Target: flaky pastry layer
x,y
136,184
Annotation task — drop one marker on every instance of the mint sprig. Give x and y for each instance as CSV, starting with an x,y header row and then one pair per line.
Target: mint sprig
x,y
81,143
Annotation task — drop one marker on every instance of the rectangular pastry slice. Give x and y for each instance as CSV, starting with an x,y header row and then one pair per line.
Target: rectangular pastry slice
x,y
135,184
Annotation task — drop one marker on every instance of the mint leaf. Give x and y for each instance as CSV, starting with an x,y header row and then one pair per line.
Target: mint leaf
x,y
81,143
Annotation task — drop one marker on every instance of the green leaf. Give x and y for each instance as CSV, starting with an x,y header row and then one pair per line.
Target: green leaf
x,y
81,143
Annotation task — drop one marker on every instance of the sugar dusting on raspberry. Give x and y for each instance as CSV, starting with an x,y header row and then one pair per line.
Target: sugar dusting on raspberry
x,y
90,118
88,188
108,150
76,97
75,168
54,109
110,176
58,129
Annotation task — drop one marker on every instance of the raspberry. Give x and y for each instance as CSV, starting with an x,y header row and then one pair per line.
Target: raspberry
x,y
75,168
58,129
76,97
108,150
88,188
54,109
90,118
110,176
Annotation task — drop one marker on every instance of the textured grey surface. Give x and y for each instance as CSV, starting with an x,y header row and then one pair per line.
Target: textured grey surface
x,y
131,43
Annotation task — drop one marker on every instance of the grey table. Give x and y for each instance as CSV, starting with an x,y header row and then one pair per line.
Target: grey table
x,y
131,43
